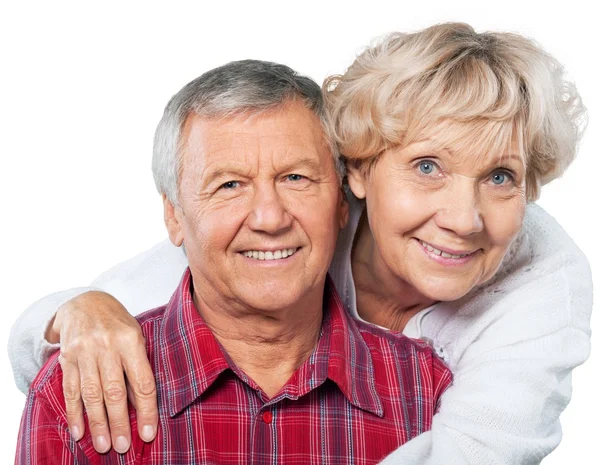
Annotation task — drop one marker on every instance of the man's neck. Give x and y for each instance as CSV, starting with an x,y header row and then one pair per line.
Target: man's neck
x,y
267,346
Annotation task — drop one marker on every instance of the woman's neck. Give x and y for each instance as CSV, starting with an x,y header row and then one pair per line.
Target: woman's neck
x,y
382,297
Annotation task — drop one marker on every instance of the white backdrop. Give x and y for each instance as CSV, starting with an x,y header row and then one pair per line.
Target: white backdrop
x,y
83,85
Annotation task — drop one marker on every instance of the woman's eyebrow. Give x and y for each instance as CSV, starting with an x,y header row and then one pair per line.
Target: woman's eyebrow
x,y
510,156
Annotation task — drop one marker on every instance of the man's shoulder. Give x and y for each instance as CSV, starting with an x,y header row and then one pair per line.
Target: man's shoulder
x,y
47,386
48,383
388,347
410,366
150,318
150,323
377,337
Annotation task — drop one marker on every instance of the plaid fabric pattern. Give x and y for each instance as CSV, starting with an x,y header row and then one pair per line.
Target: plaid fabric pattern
x,y
361,394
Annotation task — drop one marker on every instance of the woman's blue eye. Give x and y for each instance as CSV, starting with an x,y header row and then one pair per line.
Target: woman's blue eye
x,y
295,177
500,178
426,167
230,185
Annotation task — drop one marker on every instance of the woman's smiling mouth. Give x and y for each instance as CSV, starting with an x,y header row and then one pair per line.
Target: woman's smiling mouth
x,y
447,256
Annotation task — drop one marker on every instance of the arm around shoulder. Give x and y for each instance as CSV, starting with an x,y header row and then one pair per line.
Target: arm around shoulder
x,y
28,348
140,283
512,348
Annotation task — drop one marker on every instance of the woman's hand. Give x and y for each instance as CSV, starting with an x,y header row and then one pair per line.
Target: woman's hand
x,y
99,341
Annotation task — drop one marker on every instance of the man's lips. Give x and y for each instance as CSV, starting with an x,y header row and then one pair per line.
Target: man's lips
x,y
271,253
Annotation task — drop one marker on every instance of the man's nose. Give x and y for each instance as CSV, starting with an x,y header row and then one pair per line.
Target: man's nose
x,y
460,209
269,213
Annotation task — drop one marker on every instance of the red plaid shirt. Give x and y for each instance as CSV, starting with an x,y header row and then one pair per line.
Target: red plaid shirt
x,y
361,394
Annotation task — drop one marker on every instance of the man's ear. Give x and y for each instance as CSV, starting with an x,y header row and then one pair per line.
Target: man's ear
x,y
357,182
173,217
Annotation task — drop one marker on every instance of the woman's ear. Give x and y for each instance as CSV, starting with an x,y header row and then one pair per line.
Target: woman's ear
x,y
357,181
172,215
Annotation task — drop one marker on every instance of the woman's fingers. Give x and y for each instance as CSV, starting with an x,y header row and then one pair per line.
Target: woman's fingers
x,y
93,401
115,401
142,391
72,392
99,340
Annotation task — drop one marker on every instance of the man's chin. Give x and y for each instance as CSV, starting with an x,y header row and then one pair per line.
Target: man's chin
x,y
270,296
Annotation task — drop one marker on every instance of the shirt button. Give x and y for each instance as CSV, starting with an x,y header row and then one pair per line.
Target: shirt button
x,y
267,417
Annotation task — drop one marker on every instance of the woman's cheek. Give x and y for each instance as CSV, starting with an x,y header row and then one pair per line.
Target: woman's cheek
x,y
504,221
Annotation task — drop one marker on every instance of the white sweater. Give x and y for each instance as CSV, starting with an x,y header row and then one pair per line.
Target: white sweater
x,y
511,343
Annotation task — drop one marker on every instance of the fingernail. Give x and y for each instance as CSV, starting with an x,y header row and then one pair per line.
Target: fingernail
x,y
76,433
148,433
121,444
100,444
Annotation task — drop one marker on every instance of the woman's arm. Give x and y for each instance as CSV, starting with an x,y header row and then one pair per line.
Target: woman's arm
x,y
512,347
99,341
504,406
28,348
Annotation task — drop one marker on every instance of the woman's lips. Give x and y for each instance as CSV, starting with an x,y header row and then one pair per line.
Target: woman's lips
x,y
447,256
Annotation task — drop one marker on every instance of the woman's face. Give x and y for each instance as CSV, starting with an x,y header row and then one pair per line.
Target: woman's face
x,y
442,220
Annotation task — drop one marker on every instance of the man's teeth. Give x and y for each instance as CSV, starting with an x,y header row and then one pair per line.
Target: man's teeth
x,y
440,253
270,255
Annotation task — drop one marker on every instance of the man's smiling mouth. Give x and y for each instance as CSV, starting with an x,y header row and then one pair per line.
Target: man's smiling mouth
x,y
270,254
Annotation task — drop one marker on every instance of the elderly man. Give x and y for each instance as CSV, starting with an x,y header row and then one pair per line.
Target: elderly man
x,y
254,357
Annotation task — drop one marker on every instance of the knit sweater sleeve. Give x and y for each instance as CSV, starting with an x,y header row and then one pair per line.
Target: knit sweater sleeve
x,y
512,345
140,283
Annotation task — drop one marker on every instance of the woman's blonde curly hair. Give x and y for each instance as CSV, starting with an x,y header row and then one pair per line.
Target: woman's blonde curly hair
x,y
478,92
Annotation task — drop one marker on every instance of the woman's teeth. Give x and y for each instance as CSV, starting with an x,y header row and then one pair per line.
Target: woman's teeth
x,y
440,253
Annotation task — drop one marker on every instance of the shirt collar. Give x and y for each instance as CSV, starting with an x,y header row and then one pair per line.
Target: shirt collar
x,y
191,358
349,363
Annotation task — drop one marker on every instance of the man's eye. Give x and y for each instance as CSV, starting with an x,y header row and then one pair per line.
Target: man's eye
x,y
295,177
230,185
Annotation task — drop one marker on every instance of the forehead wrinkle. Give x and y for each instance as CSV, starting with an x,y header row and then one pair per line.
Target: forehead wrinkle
x,y
241,163
484,161
304,162
215,163
281,147
468,151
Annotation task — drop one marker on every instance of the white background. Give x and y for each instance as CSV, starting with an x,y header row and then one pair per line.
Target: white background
x,y
83,85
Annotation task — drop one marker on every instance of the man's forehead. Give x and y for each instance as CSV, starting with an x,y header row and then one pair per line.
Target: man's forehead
x,y
287,133
223,139
291,118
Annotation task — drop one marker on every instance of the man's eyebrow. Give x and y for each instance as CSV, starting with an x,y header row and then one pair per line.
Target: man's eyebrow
x,y
211,174
307,162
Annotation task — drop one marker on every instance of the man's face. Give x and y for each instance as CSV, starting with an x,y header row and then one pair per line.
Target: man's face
x,y
260,207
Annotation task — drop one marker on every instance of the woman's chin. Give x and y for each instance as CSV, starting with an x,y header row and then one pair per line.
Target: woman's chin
x,y
445,290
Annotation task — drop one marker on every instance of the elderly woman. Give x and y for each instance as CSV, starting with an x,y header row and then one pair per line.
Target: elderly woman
x,y
447,135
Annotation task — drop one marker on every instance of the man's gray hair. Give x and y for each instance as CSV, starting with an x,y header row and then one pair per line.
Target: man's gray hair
x,y
248,86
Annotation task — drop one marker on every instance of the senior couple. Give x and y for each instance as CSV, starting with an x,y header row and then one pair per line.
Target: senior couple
x,y
258,356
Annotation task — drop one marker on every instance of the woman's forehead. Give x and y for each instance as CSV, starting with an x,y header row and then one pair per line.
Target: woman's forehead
x,y
474,139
